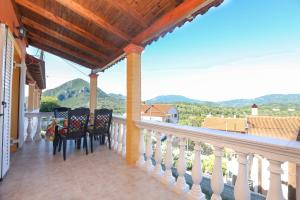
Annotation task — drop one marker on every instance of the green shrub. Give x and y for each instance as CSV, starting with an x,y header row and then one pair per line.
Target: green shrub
x,y
48,104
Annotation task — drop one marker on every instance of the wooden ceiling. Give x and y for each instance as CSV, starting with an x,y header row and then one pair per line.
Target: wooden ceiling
x,y
93,33
35,71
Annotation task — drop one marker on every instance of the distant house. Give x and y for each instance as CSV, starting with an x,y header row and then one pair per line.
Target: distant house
x,y
160,112
285,128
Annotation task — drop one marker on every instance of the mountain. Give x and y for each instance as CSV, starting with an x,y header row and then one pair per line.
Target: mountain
x,y
263,100
76,93
173,99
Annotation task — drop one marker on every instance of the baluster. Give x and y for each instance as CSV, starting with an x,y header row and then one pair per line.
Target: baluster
x,y
217,184
120,139
116,136
149,152
141,161
29,129
37,136
241,188
196,192
158,158
275,189
111,136
168,178
124,141
180,185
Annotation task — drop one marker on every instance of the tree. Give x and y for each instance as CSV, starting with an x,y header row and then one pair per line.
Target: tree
x,y
48,104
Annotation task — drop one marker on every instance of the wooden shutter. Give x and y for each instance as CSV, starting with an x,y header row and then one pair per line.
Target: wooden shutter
x,y
7,55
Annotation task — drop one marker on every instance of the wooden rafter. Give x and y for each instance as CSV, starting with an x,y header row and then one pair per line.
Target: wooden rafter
x,y
86,13
65,24
49,43
129,11
58,36
61,54
170,19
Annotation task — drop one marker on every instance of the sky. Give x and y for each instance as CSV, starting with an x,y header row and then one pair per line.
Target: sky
x,y
241,49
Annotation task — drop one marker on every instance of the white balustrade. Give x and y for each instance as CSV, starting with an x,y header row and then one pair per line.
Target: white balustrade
x,y
141,161
120,135
38,136
196,192
116,130
124,141
36,117
149,152
158,172
217,184
167,177
275,190
29,129
241,188
112,131
180,186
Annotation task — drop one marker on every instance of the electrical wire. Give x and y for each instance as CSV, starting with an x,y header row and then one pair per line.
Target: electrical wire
x,y
71,65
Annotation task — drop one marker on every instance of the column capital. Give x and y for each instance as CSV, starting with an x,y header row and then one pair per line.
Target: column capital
x,y
93,75
31,83
133,48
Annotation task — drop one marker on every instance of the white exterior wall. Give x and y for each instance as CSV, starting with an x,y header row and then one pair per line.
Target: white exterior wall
x,y
171,116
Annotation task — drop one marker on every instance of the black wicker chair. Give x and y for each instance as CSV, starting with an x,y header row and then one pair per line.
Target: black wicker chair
x,y
59,113
101,126
77,127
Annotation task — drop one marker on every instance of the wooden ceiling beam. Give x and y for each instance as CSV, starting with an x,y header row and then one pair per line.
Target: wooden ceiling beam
x,y
61,47
65,24
30,23
129,11
61,54
180,13
87,14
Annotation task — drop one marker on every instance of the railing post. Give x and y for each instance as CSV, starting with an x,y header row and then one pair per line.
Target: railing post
x,y
298,182
116,136
180,186
217,183
168,177
196,193
29,129
141,161
37,136
120,139
112,135
124,141
241,188
149,152
158,158
275,189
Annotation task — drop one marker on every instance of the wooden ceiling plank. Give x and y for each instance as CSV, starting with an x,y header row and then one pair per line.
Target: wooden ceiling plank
x,y
61,54
170,19
65,24
62,38
129,11
54,45
87,14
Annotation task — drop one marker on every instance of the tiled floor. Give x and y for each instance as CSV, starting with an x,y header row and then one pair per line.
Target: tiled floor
x,y
36,174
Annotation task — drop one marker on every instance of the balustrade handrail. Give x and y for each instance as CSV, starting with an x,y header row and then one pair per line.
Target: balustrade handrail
x,y
39,114
119,119
271,148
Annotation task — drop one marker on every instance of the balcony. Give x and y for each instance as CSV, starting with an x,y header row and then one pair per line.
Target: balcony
x,y
38,174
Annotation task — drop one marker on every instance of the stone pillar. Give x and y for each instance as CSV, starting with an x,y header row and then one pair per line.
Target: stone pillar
x,y
30,104
93,91
133,103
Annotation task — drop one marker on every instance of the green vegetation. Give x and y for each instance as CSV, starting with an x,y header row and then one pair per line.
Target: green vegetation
x,y
48,104
76,93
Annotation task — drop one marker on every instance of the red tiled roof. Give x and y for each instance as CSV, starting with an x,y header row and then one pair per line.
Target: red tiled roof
x,y
156,110
225,124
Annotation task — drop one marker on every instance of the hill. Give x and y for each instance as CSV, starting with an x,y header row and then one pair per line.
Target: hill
x,y
76,93
174,99
283,99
